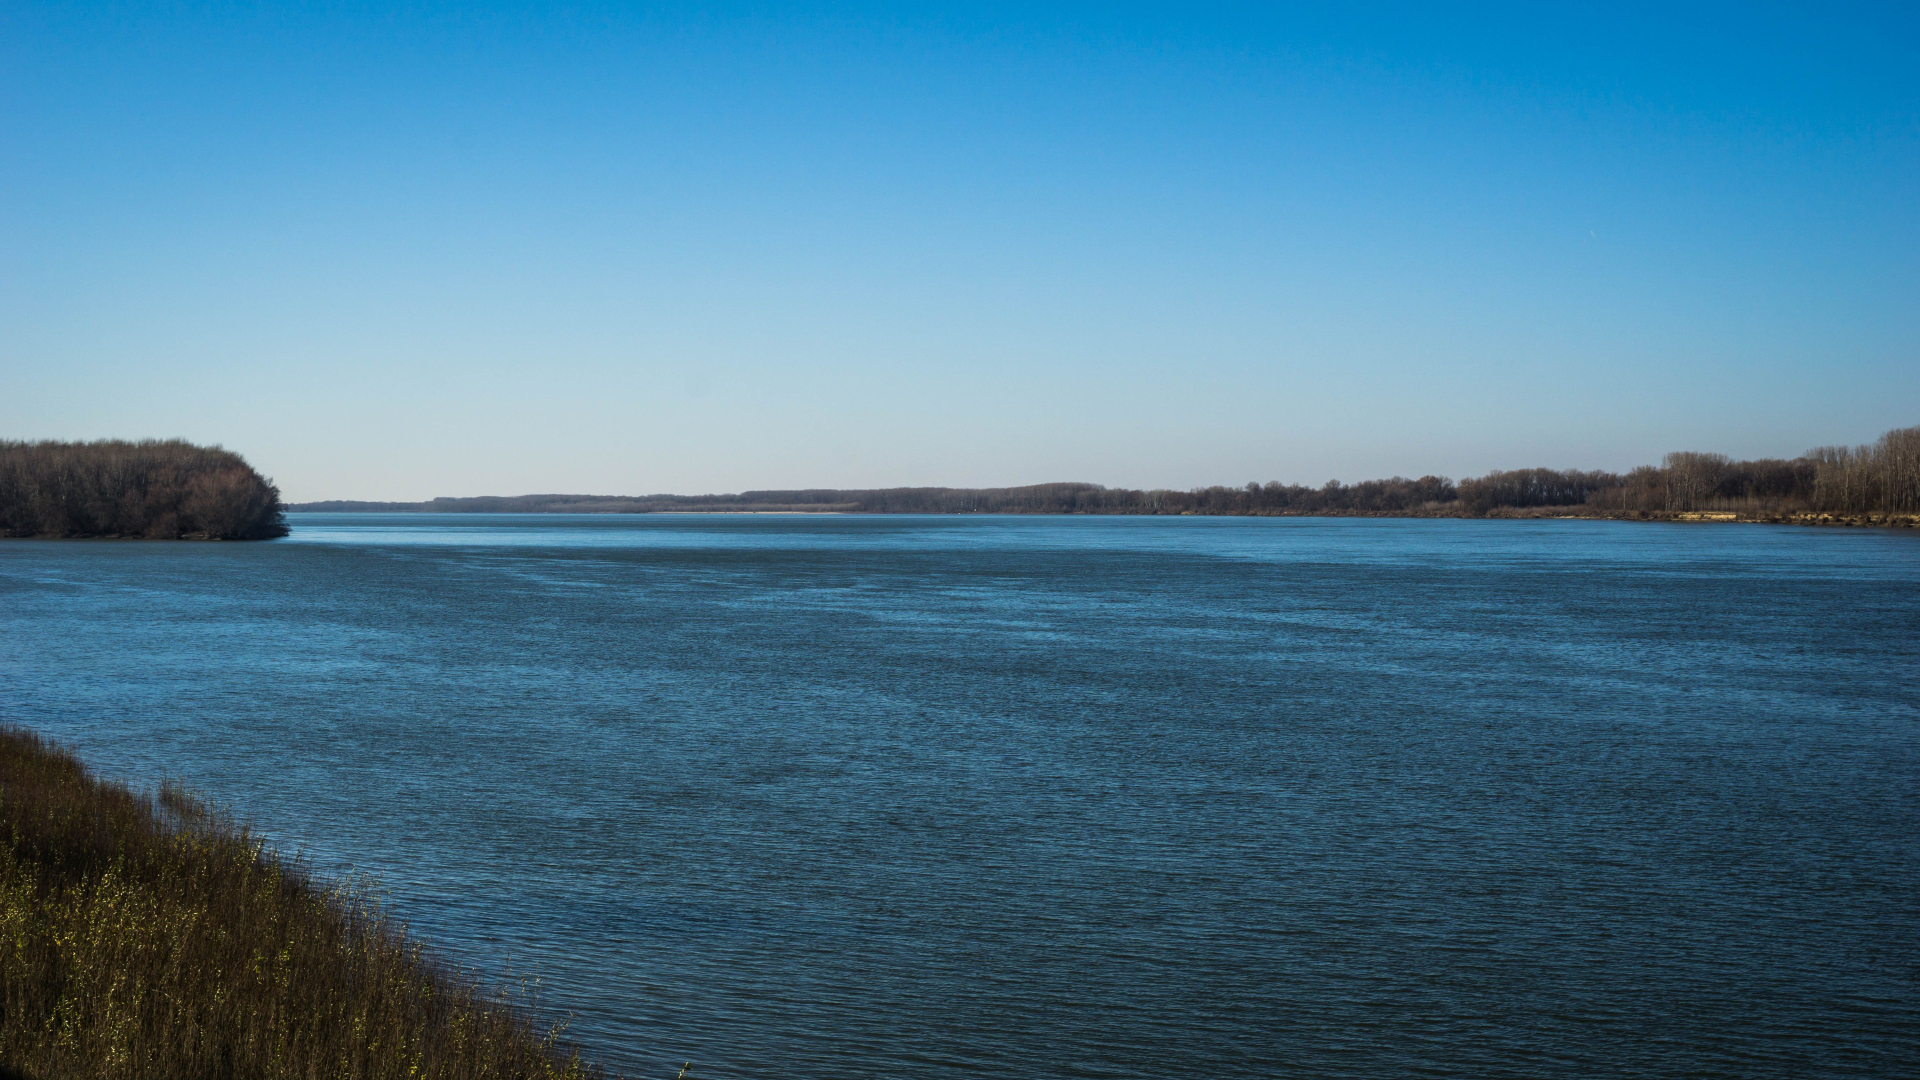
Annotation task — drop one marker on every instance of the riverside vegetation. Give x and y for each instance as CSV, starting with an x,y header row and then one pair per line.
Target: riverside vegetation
x,y
1878,483
173,489
146,937
152,489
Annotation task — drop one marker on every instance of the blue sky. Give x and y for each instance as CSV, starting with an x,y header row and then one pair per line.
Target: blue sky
x,y
399,252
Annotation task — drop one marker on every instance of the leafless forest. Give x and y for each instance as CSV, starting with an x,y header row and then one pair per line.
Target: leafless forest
x,y
1879,479
151,489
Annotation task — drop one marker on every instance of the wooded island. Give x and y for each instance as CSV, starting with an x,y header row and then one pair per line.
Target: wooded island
x,y
171,490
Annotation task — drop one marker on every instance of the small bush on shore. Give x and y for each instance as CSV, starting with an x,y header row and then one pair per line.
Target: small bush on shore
x,y
143,937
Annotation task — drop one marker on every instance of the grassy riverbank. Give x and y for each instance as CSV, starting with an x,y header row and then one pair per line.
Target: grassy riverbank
x,y
145,937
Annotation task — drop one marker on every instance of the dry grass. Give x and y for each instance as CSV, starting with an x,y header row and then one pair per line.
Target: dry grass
x,y
143,937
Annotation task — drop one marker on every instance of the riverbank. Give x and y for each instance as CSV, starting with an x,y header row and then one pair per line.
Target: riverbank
x,y
1876,484
1734,517
148,937
1440,510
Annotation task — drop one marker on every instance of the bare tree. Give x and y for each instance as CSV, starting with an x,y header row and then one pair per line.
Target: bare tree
x,y
152,489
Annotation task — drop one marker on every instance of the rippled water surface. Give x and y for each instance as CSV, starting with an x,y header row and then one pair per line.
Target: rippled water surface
x,y
1064,797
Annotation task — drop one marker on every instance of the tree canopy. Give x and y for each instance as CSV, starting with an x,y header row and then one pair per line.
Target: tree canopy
x,y
150,489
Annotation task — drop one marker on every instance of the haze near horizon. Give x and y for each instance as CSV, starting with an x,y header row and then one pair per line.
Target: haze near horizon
x,y
464,251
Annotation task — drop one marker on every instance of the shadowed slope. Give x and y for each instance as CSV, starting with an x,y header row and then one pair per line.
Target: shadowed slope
x,y
148,938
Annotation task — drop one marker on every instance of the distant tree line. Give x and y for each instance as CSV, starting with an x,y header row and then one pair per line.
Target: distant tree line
x,y
1879,478
1372,496
151,489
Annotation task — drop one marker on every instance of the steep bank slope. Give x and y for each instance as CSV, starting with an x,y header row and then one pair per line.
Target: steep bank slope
x,y
145,938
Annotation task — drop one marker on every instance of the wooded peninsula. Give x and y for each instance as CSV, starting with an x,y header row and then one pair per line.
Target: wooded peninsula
x,y
171,490
1878,483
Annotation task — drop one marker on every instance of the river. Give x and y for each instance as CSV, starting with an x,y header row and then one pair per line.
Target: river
x,y
933,797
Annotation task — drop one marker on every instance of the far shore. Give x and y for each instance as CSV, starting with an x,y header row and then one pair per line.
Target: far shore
x,y
1875,485
1537,513
175,490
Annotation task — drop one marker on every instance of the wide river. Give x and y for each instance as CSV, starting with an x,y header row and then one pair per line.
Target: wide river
x,y
799,797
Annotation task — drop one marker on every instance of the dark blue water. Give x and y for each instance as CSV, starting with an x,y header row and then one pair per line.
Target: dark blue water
x,y
1064,797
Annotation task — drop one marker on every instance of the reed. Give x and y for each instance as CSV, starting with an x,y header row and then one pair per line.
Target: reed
x,y
144,936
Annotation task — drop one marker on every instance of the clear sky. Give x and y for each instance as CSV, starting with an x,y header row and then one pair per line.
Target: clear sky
x,y
399,251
